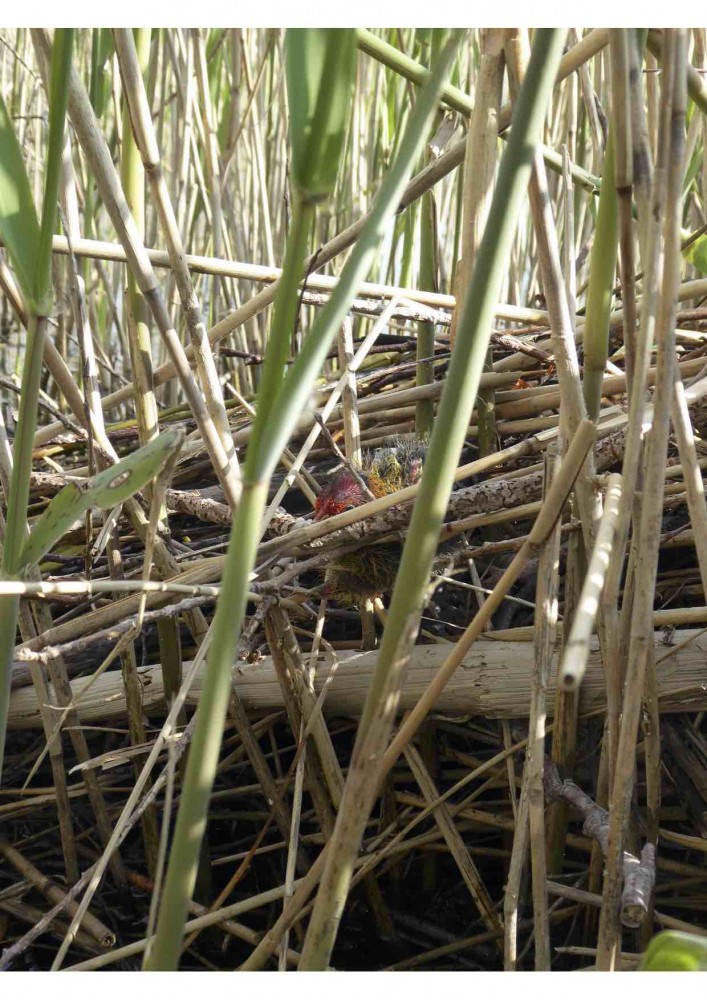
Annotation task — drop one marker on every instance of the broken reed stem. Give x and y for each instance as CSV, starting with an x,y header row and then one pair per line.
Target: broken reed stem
x,y
638,873
578,642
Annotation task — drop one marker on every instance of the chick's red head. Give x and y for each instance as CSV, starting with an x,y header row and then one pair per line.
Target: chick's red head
x,y
342,493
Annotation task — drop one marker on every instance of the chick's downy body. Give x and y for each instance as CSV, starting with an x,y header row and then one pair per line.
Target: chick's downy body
x,y
370,570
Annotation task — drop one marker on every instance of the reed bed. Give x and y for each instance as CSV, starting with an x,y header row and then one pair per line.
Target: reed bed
x,y
235,262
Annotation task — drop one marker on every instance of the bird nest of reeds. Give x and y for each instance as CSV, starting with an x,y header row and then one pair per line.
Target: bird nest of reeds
x,y
404,610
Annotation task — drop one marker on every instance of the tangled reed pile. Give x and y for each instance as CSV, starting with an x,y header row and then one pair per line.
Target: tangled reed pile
x,y
549,723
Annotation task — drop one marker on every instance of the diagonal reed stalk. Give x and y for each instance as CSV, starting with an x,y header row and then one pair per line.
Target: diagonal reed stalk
x,y
280,405
98,156
544,523
146,141
442,459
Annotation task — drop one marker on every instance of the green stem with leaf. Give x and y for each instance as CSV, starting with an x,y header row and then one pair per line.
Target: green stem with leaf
x,y
29,246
